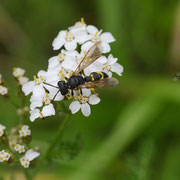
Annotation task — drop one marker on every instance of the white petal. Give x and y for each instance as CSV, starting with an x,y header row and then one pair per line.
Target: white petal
x,y
86,92
41,73
105,47
31,154
59,41
53,62
107,37
35,104
52,75
111,59
48,110
28,87
39,90
74,107
82,36
34,114
70,46
86,46
36,99
93,99
92,29
102,60
86,110
69,62
117,68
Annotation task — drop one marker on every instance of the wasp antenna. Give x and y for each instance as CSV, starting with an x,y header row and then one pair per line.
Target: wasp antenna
x,y
51,85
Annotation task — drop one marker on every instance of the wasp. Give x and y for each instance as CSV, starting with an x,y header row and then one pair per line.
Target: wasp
x,y
95,80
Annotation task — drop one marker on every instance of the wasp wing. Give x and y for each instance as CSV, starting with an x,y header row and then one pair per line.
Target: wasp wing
x,y
92,54
103,83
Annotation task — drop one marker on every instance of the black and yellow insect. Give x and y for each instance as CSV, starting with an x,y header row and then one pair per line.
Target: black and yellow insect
x,y
94,80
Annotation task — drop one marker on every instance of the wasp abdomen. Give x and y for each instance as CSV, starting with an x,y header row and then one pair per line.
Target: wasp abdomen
x,y
95,76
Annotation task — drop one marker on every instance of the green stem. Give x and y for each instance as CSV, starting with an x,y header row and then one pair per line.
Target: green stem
x,y
52,145
28,175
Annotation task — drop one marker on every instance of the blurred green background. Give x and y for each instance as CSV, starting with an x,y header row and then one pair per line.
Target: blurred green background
x,y
134,133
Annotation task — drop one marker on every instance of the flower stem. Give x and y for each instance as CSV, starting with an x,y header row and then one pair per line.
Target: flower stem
x,y
53,144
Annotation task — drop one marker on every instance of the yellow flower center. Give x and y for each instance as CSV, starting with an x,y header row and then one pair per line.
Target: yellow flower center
x,y
69,36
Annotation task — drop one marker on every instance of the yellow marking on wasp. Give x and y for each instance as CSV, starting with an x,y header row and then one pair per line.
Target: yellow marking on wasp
x,y
102,76
92,77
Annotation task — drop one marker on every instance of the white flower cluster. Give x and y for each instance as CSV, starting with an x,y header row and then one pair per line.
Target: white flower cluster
x,y
2,128
4,156
24,131
19,148
28,157
78,37
18,73
3,89
15,141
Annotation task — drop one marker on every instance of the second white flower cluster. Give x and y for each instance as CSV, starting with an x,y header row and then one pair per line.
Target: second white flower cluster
x,y
17,142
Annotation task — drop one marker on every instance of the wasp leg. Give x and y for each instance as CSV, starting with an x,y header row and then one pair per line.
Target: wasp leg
x,y
72,93
55,96
81,92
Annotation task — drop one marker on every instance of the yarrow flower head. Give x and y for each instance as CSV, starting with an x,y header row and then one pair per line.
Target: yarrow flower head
x,y
4,156
82,60
2,128
3,89
24,131
19,148
18,73
29,156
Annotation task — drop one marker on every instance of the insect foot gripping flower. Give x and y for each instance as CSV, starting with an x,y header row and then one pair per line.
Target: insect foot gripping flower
x,y
83,102
82,65
24,131
2,128
29,156
4,156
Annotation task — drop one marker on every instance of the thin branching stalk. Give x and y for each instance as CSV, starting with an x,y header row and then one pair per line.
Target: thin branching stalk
x,y
53,144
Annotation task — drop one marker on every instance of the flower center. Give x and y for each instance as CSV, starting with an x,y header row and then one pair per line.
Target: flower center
x,y
39,80
96,37
83,99
107,67
81,24
46,99
69,36
61,56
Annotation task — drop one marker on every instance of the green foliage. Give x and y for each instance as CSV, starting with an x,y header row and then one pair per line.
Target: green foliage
x,y
139,119
68,150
